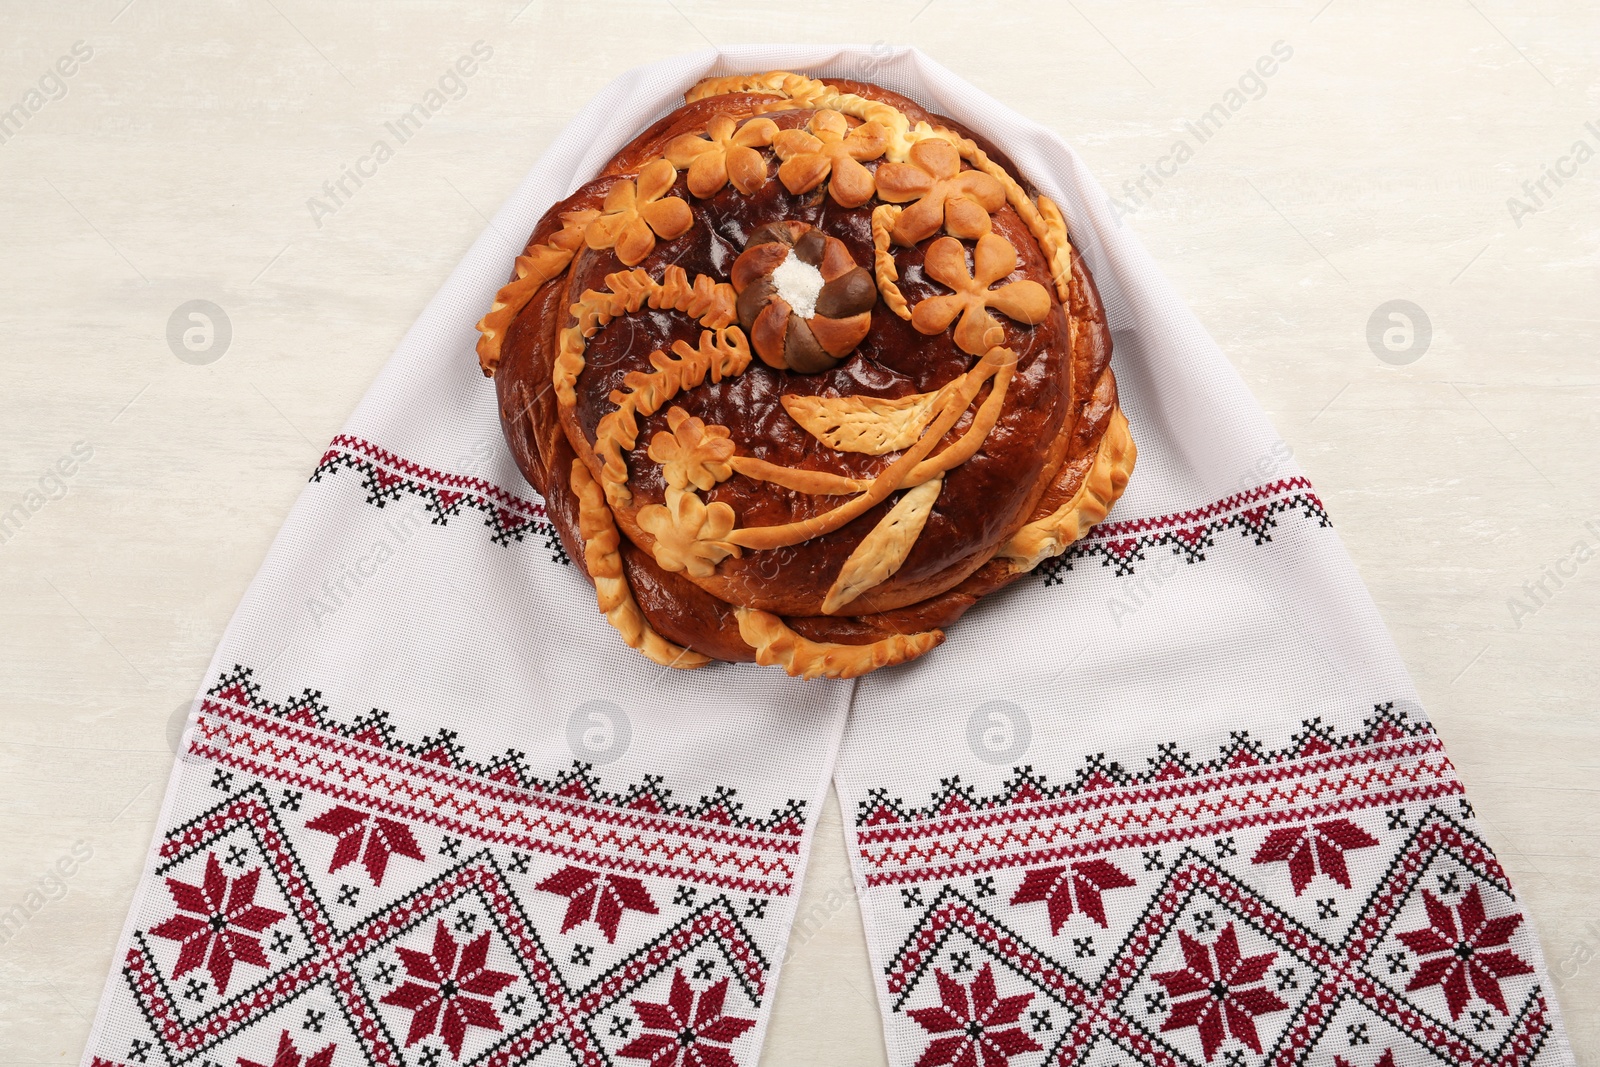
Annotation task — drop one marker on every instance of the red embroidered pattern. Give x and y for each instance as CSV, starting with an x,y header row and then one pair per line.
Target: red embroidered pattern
x,y
371,837
443,755
289,1056
410,898
1170,764
218,923
1262,907
1340,969
1124,544
1120,545
444,495
451,987
1313,850
959,834
972,1024
689,1030
1224,991
598,897
1463,951
644,833
1078,887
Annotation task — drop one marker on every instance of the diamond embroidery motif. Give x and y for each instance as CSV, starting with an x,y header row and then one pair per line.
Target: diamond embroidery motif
x,y
1452,949
689,1030
1219,992
1170,974
217,923
449,989
972,1024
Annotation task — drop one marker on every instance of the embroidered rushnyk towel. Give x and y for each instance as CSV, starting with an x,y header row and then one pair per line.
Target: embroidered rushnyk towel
x,y
1169,801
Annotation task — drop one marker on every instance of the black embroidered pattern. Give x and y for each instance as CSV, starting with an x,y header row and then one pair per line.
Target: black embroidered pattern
x,y
442,747
443,496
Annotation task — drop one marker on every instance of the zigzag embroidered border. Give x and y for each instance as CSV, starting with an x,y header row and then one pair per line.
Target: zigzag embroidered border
x,y
1315,738
1389,761
1125,544
443,495
722,810
1121,545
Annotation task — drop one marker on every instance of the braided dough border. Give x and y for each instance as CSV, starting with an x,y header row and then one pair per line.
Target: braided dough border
x,y
712,302
800,657
603,558
539,264
1055,533
884,270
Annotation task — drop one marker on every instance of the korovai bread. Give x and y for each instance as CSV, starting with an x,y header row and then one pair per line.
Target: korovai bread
x,y
804,372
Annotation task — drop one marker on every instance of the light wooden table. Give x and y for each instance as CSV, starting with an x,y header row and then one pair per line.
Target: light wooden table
x,y
175,163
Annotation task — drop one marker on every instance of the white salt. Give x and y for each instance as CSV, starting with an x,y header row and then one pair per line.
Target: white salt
x,y
798,283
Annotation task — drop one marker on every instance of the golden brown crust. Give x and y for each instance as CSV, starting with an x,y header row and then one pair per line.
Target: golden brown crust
x,y
1107,476
777,645
604,563
724,513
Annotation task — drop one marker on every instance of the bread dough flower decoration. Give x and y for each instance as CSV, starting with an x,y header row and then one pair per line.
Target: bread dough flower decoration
x,y
724,154
945,194
1026,301
637,211
831,148
802,299
692,453
689,533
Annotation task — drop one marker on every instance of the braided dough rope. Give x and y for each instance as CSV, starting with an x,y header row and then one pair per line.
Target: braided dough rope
x,y
601,555
884,216
1055,533
777,645
539,264
799,91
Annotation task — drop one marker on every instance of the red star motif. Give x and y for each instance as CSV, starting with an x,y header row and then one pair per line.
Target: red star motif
x,y
1068,889
973,1025
215,923
1313,850
289,1056
449,989
598,896
1219,992
370,837
684,1033
1452,948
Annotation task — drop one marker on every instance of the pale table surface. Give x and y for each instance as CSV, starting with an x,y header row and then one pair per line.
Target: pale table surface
x,y
1377,165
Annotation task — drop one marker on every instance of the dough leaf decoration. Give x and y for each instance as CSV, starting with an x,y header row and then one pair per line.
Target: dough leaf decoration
x,y
866,424
883,550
